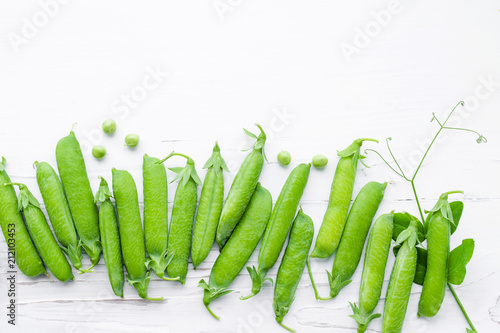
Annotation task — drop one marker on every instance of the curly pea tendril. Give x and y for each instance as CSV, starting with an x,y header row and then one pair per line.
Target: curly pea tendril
x,y
399,171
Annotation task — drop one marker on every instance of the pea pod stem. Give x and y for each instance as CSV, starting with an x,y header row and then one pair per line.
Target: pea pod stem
x,y
461,306
316,294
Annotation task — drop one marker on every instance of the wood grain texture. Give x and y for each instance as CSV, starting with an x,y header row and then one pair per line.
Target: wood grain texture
x,y
193,76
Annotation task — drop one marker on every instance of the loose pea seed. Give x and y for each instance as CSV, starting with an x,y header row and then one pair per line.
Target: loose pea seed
x,y
98,151
319,161
109,126
132,140
284,158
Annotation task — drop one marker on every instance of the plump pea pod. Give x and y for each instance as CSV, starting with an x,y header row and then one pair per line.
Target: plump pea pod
x,y
239,247
292,265
44,240
76,185
279,225
14,230
59,213
437,229
242,188
353,239
181,222
401,281
110,238
372,279
131,235
156,215
209,208
334,220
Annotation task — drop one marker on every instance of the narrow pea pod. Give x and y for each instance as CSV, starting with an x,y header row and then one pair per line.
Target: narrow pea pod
x,y
59,214
209,208
242,188
155,191
76,185
14,230
181,222
353,239
292,266
44,240
131,235
401,281
437,229
372,279
110,238
279,225
334,220
239,247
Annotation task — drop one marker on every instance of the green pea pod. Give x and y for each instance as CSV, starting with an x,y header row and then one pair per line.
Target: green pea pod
x,y
14,230
372,279
76,185
239,247
279,225
156,215
438,229
131,235
401,281
340,198
242,188
292,266
209,208
44,240
110,238
181,222
351,245
59,214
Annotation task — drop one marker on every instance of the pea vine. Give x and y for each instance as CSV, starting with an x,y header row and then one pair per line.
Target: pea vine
x,y
399,171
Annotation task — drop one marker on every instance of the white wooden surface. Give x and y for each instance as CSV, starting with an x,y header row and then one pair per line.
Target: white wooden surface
x,y
232,63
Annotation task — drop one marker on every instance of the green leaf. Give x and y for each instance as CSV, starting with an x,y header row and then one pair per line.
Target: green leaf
x,y
216,161
421,266
458,260
26,198
2,164
457,208
443,206
261,140
402,222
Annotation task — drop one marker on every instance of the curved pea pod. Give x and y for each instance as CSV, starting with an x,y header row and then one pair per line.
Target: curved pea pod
x,y
76,185
437,229
279,225
239,247
334,220
110,238
44,240
155,189
209,208
59,214
401,281
353,239
292,266
372,279
131,235
14,230
242,188
181,223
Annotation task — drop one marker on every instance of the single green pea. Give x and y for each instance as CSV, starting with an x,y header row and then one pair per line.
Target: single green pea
x,y
132,140
319,161
109,126
98,151
284,157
